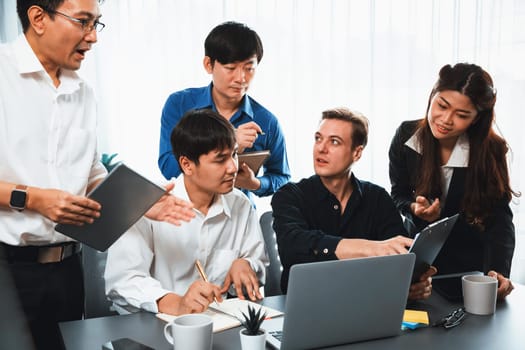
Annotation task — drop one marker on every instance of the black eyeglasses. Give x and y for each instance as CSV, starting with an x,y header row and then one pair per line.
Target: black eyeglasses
x,y
455,318
87,24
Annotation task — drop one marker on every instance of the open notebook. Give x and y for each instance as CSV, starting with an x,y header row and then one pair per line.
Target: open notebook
x,y
225,314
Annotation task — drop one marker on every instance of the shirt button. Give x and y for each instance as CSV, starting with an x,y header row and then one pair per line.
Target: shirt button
x,y
336,207
325,250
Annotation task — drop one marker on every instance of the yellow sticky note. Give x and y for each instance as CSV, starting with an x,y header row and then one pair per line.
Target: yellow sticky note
x,y
415,316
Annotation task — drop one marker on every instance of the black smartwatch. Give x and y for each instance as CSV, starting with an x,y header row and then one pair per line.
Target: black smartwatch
x,y
18,198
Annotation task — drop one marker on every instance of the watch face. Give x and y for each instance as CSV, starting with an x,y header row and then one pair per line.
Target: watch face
x,y
18,199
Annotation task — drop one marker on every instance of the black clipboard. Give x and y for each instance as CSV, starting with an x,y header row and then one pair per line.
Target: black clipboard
x,y
124,196
254,159
428,243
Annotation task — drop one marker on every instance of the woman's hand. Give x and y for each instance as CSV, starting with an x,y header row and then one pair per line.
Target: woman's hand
x,y
423,209
504,284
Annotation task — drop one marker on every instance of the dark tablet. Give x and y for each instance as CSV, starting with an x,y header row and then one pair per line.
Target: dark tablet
x,y
124,196
428,243
449,286
254,159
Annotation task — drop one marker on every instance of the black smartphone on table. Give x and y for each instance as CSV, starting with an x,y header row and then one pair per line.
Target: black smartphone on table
x,y
125,344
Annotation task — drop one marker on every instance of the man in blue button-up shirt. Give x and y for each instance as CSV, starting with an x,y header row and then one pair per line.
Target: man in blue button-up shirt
x,y
232,53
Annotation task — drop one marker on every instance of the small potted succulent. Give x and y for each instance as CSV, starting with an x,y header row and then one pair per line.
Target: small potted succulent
x,y
253,337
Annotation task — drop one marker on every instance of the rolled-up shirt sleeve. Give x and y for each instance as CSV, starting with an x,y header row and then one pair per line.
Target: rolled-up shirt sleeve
x,y
128,280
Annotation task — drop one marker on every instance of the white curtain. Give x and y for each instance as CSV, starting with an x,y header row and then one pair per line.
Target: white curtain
x,y
379,57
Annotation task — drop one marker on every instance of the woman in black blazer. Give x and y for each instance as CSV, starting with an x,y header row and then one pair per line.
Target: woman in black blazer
x,y
453,161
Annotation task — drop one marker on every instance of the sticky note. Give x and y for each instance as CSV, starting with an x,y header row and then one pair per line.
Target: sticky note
x,y
415,316
410,325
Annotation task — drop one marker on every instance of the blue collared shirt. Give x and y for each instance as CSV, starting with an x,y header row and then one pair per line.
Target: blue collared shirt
x,y
276,170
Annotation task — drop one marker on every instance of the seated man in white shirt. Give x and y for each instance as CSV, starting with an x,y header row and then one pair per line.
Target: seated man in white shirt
x,y
152,266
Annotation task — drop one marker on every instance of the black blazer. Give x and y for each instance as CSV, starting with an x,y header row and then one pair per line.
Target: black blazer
x,y
467,248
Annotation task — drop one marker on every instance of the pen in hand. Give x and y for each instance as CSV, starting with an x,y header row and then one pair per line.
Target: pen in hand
x,y
258,132
203,275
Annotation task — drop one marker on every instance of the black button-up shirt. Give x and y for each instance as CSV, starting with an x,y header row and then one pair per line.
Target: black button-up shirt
x,y
308,222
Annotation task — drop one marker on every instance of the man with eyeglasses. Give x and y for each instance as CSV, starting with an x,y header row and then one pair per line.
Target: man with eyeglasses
x,y
49,160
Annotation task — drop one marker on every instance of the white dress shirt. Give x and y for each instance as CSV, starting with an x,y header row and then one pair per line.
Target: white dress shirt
x,y
458,159
47,138
155,258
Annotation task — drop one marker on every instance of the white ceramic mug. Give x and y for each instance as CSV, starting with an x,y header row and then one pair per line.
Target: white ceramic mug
x,y
193,331
479,294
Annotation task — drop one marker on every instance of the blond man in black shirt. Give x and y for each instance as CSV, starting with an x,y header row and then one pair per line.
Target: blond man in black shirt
x,y
333,215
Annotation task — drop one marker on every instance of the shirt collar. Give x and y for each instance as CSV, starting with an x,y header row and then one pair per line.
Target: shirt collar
x,y
206,101
218,207
28,63
358,187
460,153
25,57
412,142
246,107
69,82
323,193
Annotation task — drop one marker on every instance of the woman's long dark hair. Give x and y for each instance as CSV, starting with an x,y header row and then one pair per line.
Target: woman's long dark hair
x,y
487,176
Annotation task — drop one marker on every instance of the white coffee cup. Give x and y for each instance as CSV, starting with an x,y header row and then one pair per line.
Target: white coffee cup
x,y
193,331
479,294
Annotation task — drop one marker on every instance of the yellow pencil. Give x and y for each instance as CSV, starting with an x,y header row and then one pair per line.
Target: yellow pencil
x,y
203,276
201,270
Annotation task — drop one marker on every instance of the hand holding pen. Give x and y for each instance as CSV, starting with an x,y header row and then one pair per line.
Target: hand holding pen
x,y
246,134
202,273
197,298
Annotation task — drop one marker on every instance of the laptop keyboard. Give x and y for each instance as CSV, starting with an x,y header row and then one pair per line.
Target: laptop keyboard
x,y
277,334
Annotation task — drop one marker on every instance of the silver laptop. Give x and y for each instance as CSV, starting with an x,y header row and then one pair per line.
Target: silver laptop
x,y
342,301
124,196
